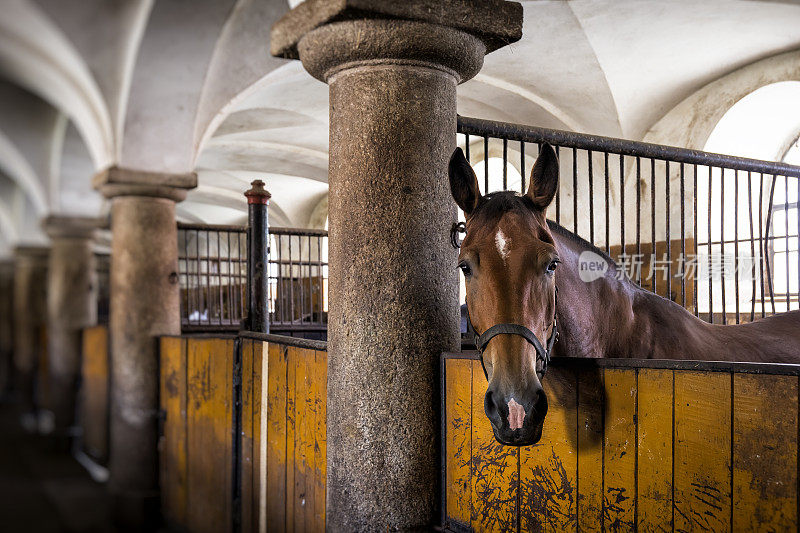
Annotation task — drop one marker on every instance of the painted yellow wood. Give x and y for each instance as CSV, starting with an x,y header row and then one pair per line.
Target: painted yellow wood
x,y
246,437
304,442
458,408
173,456
548,469
494,468
319,389
619,452
654,488
291,434
276,432
209,380
702,451
257,407
591,397
94,392
764,452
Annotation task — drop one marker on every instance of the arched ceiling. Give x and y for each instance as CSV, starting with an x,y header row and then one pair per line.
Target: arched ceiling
x,y
180,85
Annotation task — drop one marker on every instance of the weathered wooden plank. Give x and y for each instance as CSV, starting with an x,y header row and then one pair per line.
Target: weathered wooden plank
x,y
246,436
173,446
259,478
548,469
495,479
591,398
94,392
276,437
764,452
319,388
291,433
702,451
619,452
654,488
304,442
458,408
209,419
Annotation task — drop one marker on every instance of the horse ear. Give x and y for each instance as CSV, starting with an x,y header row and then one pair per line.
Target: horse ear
x,y
463,182
544,178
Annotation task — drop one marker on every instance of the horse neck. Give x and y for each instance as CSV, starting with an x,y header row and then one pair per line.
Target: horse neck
x,y
612,317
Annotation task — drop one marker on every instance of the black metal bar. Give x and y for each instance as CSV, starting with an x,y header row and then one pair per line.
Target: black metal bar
x,y
722,262
786,221
761,243
736,240
622,203
766,253
752,245
258,259
210,227
654,256
591,198
558,190
696,257
608,202
518,132
505,164
710,264
486,165
668,236
683,236
321,346
575,190
639,214
522,166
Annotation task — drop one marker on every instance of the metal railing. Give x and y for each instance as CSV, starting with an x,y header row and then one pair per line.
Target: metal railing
x,y
718,234
212,261
103,268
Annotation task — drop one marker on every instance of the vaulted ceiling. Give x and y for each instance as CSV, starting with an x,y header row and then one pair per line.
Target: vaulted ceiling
x,y
188,85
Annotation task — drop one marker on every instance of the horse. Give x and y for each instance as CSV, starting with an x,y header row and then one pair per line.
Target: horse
x,y
524,291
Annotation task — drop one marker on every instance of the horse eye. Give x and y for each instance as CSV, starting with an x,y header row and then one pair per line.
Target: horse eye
x,y
552,266
465,268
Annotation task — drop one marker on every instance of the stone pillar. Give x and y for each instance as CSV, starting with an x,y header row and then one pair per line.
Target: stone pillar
x,y
30,310
392,68
71,307
144,306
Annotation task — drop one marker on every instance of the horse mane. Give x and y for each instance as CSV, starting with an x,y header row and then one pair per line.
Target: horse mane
x,y
579,241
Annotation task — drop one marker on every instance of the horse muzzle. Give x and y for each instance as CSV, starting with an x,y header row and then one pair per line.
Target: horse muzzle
x,y
516,423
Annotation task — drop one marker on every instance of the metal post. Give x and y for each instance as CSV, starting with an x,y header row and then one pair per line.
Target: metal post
x,y
257,258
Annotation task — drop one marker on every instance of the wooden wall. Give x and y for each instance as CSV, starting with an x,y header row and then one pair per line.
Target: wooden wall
x,y
94,403
667,449
281,445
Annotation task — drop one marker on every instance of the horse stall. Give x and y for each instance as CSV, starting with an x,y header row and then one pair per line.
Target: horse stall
x,y
628,445
243,433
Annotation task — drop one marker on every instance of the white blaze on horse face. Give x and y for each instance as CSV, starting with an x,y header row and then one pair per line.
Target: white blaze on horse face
x,y
516,414
502,244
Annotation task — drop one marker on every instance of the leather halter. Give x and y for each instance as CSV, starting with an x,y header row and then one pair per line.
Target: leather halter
x,y
542,354
482,340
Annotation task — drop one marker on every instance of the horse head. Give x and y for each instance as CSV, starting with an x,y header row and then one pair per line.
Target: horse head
x,y
509,259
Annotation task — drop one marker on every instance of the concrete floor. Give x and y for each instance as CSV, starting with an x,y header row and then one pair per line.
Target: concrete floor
x,y
42,488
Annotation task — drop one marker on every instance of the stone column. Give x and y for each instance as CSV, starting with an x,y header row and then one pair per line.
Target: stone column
x,y
144,306
392,68
71,307
30,310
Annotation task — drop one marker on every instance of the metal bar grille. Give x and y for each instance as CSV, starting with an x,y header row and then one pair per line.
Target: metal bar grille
x,y
717,234
212,261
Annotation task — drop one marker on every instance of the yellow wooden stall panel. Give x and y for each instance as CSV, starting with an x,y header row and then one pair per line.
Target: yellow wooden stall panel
x,y
619,451
591,396
94,392
173,444
702,451
291,430
494,468
548,469
303,442
258,457
319,390
458,435
276,431
209,382
249,521
764,452
654,488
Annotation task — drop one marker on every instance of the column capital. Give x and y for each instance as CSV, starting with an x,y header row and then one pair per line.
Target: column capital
x,y
71,227
32,254
116,181
452,35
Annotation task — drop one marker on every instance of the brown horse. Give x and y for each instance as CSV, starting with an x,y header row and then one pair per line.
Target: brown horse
x,y
516,262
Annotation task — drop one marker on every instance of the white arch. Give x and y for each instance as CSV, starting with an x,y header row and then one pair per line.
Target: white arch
x,y
16,167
